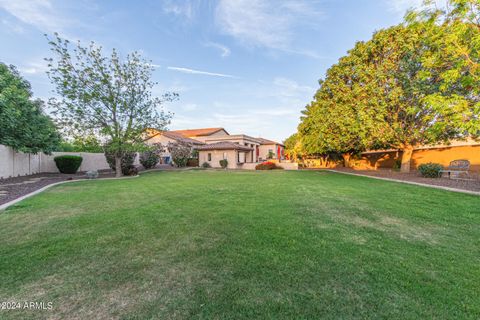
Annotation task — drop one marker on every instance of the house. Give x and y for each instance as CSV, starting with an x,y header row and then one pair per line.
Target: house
x,y
271,150
166,137
235,153
215,144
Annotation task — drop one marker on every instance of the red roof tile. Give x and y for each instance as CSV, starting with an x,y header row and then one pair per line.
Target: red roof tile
x,y
198,132
224,145
266,141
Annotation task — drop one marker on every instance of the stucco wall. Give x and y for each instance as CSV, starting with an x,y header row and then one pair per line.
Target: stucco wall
x,y
379,160
264,148
217,155
164,141
445,155
13,164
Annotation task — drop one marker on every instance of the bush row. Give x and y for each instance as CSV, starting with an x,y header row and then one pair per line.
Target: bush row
x,y
267,165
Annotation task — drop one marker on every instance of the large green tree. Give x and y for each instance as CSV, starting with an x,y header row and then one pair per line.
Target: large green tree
x,y
293,147
342,118
410,85
110,94
24,126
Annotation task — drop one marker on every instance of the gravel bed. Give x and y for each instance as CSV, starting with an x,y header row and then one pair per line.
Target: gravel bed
x,y
13,188
471,184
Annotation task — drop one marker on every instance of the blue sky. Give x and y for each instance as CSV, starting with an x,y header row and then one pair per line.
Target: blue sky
x,y
249,66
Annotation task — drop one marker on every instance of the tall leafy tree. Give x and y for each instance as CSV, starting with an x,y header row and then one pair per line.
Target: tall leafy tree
x,y
428,68
293,147
342,118
412,84
24,126
107,94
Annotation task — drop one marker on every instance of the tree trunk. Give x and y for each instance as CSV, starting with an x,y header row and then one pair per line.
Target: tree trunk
x,y
346,159
406,158
118,166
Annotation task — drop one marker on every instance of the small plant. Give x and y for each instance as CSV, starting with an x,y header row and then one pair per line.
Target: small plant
x,y
397,164
149,159
224,163
130,171
206,165
192,162
430,170
68,163
267,165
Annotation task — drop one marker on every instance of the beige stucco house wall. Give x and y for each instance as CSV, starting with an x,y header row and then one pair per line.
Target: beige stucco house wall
x,y
216,156
164,141
264,150
242,140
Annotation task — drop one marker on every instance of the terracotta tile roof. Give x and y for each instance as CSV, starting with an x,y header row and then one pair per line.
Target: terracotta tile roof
x,y
179,137
169,134
224,145
198,132
266,141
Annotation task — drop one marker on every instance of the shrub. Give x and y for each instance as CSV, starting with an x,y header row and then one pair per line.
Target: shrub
x,y
128,158
68,163
192,162
430,170
397,164
224,163
149,159
267,165
130,171
206,165
180,153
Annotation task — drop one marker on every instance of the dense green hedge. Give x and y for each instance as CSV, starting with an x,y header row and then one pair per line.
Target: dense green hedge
x,y
68,163
430,170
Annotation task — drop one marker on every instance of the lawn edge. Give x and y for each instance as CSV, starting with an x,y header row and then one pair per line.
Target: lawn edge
x,y
33,193
475,193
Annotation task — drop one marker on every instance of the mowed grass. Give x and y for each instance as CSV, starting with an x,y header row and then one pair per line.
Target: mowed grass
x,y
233,245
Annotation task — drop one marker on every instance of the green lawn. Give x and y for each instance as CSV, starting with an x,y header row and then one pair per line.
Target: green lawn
x,y
216,245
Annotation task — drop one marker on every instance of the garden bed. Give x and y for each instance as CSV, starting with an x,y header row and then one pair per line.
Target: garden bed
x,y
16,187
471,184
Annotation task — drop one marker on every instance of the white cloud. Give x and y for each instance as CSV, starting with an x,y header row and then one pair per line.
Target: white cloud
x,y
38,13
34,68
13,26
189,107
264,23
206,73
401,6
275,112
290,87
225,51
183,9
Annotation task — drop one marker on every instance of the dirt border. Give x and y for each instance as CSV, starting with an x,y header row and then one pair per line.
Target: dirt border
x,y
476,193
31,194
35,192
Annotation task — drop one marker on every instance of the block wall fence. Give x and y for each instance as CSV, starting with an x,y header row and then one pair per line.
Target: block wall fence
x,y
13,164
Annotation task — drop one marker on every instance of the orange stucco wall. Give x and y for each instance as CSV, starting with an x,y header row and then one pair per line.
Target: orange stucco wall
x,y
444,155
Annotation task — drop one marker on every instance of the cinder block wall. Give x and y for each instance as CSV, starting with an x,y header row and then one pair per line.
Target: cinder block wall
x,y
13,164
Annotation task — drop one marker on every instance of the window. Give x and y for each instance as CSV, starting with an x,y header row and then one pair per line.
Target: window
x,y
209,157
224,155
